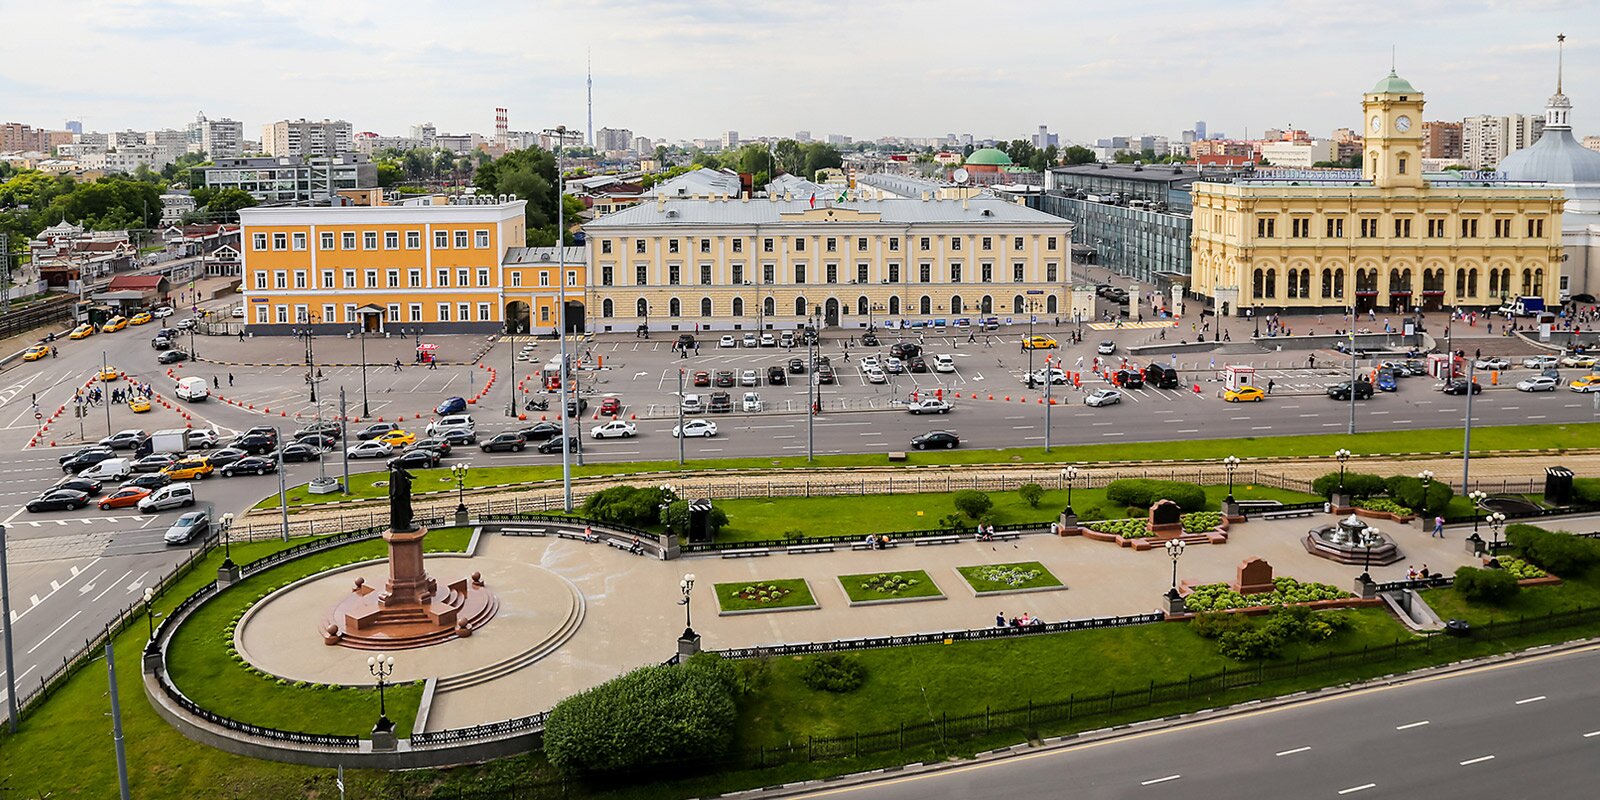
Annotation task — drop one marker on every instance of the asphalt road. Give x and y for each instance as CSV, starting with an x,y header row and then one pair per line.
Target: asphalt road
x,y
1521,729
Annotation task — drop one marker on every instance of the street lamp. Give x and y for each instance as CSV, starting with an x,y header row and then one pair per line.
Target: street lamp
x,y
1342,455
227,540
1256,314
1426,476
1070,475
1477,496
686,586
366,409
1496,520
150,615
308,335
1230,464
381,667
459,472
1174,551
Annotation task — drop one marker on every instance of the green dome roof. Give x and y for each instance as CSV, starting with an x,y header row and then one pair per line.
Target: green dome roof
x,y
1394,84
989,156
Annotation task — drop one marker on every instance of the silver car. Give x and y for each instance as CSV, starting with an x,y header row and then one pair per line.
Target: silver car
x,y
1103,397
187,527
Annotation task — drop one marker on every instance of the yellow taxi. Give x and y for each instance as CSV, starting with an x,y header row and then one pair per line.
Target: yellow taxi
x,y
1244,394
83,331
109,374
139,404
36,352
1585,383
141,318
189,469
398,439
114,324
1038,343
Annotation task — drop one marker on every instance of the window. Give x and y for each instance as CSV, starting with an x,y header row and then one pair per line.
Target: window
x,y
673,274
1435,229
862,271
349,279
414,278
442,279
283,314
327,279
483,277
461,277
1402,228
985,244
516,277
544,313
861,244
444,312
394,312
480,239
441,240
738,306
349,312
1536,230
705,274
413,240
925,272
738,245
1469,227
369,240
393,277
1266,227
955,272
738,273
261,315
955,243
894,273
672,245
280,280
299,279
640,275
1502,228
327,241
799,306
1016,243
280,241
1017,271
1050,273
415,310
1300,228
258,241
607,275
605,246
1335,227
607,308
987,271
705,306
894,244
799,273
766,245
638,245
768,273
705,245
923,244
261,280
1369,227
673,307
483,311
799,245
461,240
391,240
348,240
372,279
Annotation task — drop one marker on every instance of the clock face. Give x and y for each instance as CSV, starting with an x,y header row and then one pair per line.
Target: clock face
x,y
1377,122
1403,124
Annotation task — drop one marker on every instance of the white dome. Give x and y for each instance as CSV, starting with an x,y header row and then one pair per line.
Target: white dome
x,y
1555,158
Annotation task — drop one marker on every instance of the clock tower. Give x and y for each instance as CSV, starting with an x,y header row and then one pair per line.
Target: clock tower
x,y
1393,126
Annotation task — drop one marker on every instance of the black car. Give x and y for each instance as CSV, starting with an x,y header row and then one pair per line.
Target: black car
x,y
417,459
433,444
299,451
322,428
318,440
155,462
825,375
255,444
263,430
721,403
1161,376
797,366
81,451
151,481
943,439
905,350
1341,391
776,376
916,364
459,436
224,456
88,487
1460,385
172,357
161,342
85,459
574,444
869,339
723,377
686,340
59,500
250,465
1130,378
375,430
577,405
541,431
504,441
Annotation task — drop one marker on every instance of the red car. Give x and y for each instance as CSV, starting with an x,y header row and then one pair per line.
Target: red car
x,y
127,497
611,406
702,378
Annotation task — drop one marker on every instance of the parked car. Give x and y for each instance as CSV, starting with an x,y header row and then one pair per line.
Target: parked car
x,y
1130,378
1038,377
721,403
825,375
1341,391
251,465
701,378
944,363
797,366
928,405
749,378
1577,360
610,406
696,428
916,364
903,350
188,526
727,340
1103,397
369,449
1538,383
58,500
416,459
1386,381
1492,363
502,442
1461,386
776,376
1541,362
751,403
894,366
767,340
617,428
723,378
692,404
935,439
574,444
748,340
874,375
450,405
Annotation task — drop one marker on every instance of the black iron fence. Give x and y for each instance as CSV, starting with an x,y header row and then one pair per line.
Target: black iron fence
x,y
1481,516
894,536
940,637
529,724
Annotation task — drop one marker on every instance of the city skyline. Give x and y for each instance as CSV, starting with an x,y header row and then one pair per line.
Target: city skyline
x,y
838,68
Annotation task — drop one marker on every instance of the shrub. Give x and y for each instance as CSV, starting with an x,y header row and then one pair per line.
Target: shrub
x,y
1126,528
676,518
1492,586
833,672
1220,597
1358,484
1586,490
1212,624
973,503
1556,551
652,715
1385,505
751,675
1407,491
1522,570
1031,494
627,505
1248,641
1142,492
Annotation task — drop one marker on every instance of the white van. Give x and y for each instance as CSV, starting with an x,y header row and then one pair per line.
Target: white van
x,y
452,422
173,495
111,469
193,389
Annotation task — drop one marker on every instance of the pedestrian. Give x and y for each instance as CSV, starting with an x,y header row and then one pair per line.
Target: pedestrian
x,y
241,334
230,380
1311,361
1000,619
1270,384
697,348
397,365
215,384
1438,526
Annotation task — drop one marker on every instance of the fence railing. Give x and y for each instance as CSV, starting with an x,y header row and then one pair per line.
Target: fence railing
x,y
529,724
894,536
940,637
1482,515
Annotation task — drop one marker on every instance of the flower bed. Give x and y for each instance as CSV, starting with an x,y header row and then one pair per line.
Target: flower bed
x,y
1383,508
1002,578
1221,596
889,586
1519,569
765,595
1193,522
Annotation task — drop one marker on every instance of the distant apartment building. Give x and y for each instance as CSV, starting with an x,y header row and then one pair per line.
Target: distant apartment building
x,y
1299,154
368,143
288,180
306,139
219,138
607,139
170,143
17,136
424,133
1044,138
1486,139
642,145
128,158
461,143
1592,142
730,140
1441,139
174,207
1221,147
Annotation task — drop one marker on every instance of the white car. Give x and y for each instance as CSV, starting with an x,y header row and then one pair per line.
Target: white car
x,y
928,405
162,312
768,341
1577,360
1053,375
749,340
692,404
1103,397
894,366
617,428
874,375
451,423
869,362
1540,362
1538,383
752,402
727,341
704,428
1493,363
204,438
944,363
1106,348
238,312
749,378
369,449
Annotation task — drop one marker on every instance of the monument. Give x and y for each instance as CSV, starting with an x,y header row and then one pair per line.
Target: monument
x,y
410,611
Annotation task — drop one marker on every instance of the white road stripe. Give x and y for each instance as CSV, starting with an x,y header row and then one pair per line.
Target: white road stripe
x,y
1292,752
1478,760
1160,780
1527,700
1411,725
1357,788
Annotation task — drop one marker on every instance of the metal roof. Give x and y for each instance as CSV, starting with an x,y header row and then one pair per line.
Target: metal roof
x,y
701,182
688,213
904,185
544,255
1151,173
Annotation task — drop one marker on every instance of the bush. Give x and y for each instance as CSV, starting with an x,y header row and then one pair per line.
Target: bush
x,y
1031,494
650,716
676,518
1142,492
1358,484
1520,569
1492,586
1586,491
1407,491
833,672
1249,641
1385,505
973,503
751,675
1213,624
1220,597
627,505
1556,551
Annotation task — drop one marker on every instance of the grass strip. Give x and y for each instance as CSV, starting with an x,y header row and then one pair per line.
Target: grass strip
x,y
765,595
880,586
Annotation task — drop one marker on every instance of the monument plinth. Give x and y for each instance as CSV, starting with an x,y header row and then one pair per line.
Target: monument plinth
x,y
410,611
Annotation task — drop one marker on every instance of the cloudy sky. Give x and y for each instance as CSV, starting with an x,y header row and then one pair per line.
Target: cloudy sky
x,y
680,69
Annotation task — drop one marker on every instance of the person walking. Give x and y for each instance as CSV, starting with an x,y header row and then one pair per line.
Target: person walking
x,y
1438,527
1270,384
230,380
215,384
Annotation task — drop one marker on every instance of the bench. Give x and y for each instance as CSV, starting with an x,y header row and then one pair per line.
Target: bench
x,y
798,549
928,540
624,546
1008,536
746,553
870,546
523,531
897,455
1298,512
576,537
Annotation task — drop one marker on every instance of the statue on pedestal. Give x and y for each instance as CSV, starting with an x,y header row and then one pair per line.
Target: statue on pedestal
x,y
400,515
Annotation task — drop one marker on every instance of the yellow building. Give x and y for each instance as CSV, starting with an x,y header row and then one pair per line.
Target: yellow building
x,y
1387,237
736,263
431,265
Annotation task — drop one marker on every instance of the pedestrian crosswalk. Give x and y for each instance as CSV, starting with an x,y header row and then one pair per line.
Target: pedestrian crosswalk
x,y
1125,326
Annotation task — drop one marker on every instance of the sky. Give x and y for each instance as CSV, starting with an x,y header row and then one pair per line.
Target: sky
x,y
684,69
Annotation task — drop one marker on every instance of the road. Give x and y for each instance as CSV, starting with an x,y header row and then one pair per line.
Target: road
x,y
1519,729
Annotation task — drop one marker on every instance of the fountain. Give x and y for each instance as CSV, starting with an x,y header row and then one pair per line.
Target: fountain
x,y
1351,541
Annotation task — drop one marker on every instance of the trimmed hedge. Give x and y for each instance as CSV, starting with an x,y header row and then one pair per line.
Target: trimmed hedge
x,y
1358,484
651,716
1493,586
1555,551
1407,491
634,506
1142,492
1586,490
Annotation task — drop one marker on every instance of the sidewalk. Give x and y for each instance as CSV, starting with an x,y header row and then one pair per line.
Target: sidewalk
x,y
339,350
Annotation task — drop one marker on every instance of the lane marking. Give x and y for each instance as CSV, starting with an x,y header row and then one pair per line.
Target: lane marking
x,y
1591,734
1159,780
1478,760
1527,700
54,632
1412,725
1357,788
1292,752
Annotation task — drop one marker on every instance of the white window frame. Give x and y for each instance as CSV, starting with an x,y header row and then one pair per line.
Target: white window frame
x,y
372,279
348,240
444,312
283,314
481,239
414,310
258,241
464,312
441,240
516,278
297,241
414,278
391,240
261,280
443,278
280,241
483,312
413,240
369,240
328,239
391,278
299,279
393,312
261,315
483,276
350,279
280,279
349,312
461,240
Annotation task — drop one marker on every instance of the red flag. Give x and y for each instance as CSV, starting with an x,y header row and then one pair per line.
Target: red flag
x,y
813,200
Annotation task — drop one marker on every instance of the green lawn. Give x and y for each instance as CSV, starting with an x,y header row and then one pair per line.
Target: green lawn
x,y
887,586
780,593
1582,591
200,665
1000,578
1485,440
772,518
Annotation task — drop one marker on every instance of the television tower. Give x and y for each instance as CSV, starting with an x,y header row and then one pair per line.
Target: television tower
x,y
590,85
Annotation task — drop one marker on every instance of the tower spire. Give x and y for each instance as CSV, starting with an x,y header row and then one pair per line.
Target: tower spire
x,y
589,60
1392,52
1561,47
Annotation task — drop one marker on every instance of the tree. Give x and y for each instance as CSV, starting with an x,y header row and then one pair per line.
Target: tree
x,y
661,154
1078,155
530,174
389,173
972,503
1031,494
655,716
224,204
820,156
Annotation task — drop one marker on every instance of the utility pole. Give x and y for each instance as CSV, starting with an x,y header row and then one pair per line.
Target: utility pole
x,y
1352,370
813,391
116,721
344,431
680,416
1049,379
283,491
1466,439
566,367
106,395
5,618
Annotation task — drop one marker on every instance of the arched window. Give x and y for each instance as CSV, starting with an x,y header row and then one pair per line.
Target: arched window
x,y
1494,282
987,304
738,306
1527,281
1050,304
705,306
1327,283
926,304
1293,286
1472,282
1258,284
862,306
606,308
955,304
673,307
1538,282
1016,304
1272,283
1461,283
641,308
799,306
894,305
769,307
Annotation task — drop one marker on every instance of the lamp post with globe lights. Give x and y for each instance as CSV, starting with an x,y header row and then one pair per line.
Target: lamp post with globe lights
x,y
1175,548
689,642
1477,496
1070,475
381,667
1343,456
1496,520
459,473
1230,464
